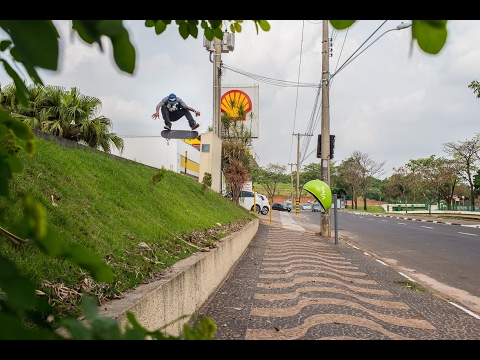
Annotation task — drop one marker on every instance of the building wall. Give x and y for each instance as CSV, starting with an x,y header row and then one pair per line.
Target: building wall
x,y
158,152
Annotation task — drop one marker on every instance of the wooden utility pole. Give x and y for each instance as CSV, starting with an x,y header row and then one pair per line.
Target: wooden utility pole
x,y
291,181
297,202
325,221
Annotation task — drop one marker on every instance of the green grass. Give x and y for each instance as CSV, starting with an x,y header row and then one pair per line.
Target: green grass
x,y
410,285
112,207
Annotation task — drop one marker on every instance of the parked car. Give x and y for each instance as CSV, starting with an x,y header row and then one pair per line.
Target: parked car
x,y
306,206
317,207
265,205
280,207
246,200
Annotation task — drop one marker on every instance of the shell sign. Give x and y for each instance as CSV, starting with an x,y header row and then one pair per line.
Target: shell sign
x,y
241,102
236,104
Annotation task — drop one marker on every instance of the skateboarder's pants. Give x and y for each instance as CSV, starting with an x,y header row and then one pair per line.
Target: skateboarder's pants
x,y
169,116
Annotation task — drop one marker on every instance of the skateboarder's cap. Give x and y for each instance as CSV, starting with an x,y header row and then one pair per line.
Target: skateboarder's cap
x,y
172,99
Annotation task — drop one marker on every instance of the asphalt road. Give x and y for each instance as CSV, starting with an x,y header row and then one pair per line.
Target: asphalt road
x,y
444,256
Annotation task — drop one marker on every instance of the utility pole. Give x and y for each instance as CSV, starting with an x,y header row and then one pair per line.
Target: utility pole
x,y
297,202
217,86
291,180
325,221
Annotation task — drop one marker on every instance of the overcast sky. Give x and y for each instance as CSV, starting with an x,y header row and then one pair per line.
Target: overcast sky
x,y
391,103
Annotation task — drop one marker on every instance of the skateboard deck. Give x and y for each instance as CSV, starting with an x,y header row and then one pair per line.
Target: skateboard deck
x,y
179,134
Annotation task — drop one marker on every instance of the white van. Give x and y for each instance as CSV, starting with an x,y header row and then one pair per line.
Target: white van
x,y
246,200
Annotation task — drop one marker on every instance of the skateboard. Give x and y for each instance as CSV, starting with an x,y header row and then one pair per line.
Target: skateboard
x,y
179,134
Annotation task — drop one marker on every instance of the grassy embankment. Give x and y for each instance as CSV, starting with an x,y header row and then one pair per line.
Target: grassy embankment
x,y
115,209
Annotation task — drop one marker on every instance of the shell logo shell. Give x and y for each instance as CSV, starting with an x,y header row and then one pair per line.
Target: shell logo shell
x,y
236,104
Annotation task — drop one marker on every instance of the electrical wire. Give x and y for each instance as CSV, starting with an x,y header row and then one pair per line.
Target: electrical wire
x,y
271,81
296,97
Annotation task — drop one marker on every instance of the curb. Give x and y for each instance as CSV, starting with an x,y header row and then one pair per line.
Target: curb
x,y
170,302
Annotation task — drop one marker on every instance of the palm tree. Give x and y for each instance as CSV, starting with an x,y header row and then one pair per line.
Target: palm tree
x,y
67,114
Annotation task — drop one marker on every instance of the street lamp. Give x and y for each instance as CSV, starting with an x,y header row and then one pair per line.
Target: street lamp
x,y
325,223
400,26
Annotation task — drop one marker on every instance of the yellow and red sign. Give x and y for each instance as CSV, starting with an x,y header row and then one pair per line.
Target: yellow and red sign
x,y
236,104
240,102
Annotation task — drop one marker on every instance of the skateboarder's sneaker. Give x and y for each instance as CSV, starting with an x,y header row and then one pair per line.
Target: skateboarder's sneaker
x,y
195,126
166,127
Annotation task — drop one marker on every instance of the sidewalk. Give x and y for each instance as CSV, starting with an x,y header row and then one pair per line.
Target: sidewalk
x,y
293,284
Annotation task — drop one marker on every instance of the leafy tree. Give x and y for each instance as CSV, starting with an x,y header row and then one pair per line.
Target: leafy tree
x,y
270,177
475,85
366,169
402,179
466,154
236,158
67,114
436,176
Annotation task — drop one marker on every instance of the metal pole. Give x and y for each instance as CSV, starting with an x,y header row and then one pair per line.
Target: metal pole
x,y
217,43
297,202
325,225
335,214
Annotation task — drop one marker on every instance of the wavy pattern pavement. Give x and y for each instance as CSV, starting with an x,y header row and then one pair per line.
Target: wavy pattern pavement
x,y
296,285
323,286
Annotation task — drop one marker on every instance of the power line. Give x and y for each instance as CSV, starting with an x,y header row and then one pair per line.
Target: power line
x,y
298,81
271,81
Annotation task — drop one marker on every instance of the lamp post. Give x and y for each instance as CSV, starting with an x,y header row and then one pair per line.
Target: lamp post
x,y
325,222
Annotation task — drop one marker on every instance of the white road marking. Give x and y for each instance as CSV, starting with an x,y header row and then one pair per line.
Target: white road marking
x,y
467,234
401,224
427,227
466,310
406,276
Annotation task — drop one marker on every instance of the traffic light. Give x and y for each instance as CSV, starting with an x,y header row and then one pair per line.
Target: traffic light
x,y
319,146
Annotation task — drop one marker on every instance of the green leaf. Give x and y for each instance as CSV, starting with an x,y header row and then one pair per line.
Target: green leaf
x,y
183,30
105,328
35,40
89,306
237,27
341,24
99,270
21,130
218,33
208,34
431,35
76,328
193,27
13,328
32,72
264,24
19,289
36,219
4,44
87,31
3,186
22,91
160,27
215,24
14,163
149,23
124,52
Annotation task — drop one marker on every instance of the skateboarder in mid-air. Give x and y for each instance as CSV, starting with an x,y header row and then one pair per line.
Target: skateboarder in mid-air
x,y
173,108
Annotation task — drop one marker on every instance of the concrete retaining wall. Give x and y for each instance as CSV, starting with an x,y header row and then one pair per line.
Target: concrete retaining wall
x,y
185,287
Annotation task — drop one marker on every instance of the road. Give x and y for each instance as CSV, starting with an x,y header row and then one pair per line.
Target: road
x,y
440,256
